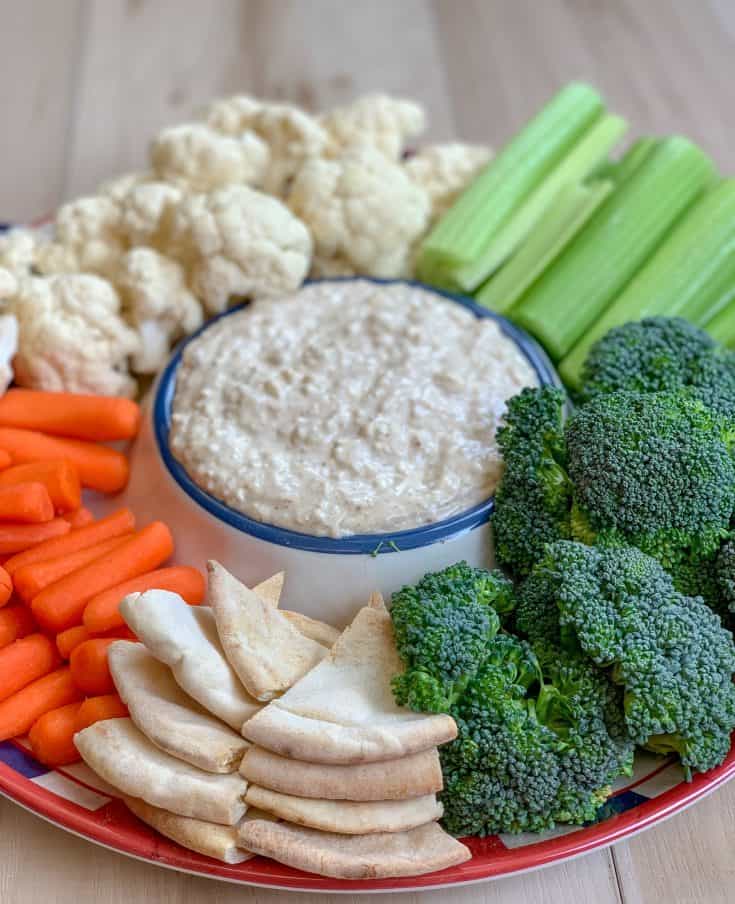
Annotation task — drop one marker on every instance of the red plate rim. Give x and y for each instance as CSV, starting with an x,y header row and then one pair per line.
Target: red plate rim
x,y
114,827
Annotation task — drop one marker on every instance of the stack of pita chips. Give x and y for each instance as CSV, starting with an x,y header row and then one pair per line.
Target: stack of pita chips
x,y
256,730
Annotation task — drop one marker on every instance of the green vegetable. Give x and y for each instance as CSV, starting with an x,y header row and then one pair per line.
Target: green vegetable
x,y
721,326
668,651
691,274
619,170
571,209
464,233
581,283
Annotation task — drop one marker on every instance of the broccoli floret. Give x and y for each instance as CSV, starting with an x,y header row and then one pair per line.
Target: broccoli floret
x,y
659,354
654,470
443,626
724,576
668,651
532,502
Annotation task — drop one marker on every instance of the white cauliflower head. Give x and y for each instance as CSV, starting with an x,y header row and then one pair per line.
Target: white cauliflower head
x,y
72,336
158,303
118,187
363,211
445,170
241,243
52,257
17,249
377,120
201,159
145,211
233,115
8,284
90,228
8,348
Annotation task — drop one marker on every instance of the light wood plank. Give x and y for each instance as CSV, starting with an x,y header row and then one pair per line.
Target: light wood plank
x,y
38,54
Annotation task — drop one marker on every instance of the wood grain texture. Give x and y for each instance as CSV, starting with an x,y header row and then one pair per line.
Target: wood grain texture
x,y
84,84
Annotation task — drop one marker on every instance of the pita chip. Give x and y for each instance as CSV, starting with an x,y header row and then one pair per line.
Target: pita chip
x,y
410,776
266,651
346,817
380,856
167,716
271,589
343,710
122,755
185,639
318,631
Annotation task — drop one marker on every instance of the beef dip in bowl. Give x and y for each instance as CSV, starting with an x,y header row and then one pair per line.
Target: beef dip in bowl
x,y
344,434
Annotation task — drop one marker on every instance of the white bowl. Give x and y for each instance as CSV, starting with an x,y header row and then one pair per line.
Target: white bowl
x,y
326,578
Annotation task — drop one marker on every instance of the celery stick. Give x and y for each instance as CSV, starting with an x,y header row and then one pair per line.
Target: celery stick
x,y
572,208
575,290
692,272
575,166
465,230
632,159
722,326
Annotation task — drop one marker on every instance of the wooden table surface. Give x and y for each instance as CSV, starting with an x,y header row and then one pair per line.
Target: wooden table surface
x,y
85,83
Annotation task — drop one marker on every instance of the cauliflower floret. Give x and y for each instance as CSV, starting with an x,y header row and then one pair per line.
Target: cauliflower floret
x,y
292,134
157,302
377,120
145,210
8,348
53,257
90,228
240,242
118,187
17,248
362,209
445,170
8,284
199,158
72,336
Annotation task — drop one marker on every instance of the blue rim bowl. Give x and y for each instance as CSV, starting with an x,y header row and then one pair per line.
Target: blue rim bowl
x,y
355,544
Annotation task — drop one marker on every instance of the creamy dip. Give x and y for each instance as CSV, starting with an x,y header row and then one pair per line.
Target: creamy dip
x,y
347,407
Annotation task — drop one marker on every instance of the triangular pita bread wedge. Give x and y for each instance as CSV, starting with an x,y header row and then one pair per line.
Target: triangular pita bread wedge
x,y
206,838
122,755
271,589
266,651
410,776
347,817
343,710
318,631
185,639
167,716
382,856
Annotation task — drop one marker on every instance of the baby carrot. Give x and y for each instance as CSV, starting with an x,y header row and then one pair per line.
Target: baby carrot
x,y
59,477
97,709
19,537
26,503
99,467
114,525
91,417
70,639
102,611
61,605
15,621
52,736
80,517
89,667
6,587
30,580
5,459
20,711
25,660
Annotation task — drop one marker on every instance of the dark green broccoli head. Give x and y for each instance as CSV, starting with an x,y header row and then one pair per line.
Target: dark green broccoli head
x,y
533,499
443,626
655,470
724,574
660,354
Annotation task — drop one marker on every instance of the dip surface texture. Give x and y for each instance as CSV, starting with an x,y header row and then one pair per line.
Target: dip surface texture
x,y
347,408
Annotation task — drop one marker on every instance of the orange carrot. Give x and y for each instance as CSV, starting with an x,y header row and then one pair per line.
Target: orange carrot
x,y
15,621
97,709
26,503
59,477
52,736
90,668
114,525
61,605
69,640
80,517
6,587
99,467
92,417
30,580
19,537
20,711
5,459
25,660
102,611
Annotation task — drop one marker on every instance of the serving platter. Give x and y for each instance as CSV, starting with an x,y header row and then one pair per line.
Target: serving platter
x,y
75,799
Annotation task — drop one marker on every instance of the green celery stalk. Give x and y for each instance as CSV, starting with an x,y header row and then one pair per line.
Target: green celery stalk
x,y
722,326
574,291
690,274
619,170
463,233
574,167
572,208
